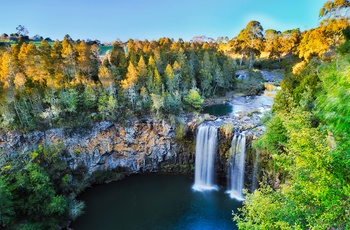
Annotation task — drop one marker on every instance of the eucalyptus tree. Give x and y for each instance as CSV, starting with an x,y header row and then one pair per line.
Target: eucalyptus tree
x,y
290,39
335,9
129,84
324,40
273,43
22,30
87,62
69,56
252,38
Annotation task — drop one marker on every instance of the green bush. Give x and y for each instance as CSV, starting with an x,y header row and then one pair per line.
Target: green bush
x,y
252,85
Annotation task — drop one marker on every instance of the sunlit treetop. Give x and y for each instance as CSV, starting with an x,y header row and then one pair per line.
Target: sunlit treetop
x,y
335,9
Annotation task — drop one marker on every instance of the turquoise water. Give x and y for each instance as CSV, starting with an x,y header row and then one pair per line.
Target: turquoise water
x,y
218,110
155,202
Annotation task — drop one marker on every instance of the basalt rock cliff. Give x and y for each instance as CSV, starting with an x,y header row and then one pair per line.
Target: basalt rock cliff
x,y
140,146
147,145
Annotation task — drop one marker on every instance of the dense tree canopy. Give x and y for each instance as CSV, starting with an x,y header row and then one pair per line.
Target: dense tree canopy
x,y
42,85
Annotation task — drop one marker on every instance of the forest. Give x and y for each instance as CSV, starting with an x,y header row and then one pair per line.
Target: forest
x,y
306,146
45,86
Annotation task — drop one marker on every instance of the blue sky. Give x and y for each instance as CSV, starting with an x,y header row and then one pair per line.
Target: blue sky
x,y
107,20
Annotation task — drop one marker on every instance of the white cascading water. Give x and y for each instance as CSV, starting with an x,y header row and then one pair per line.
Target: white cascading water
x,y
236,167
255,171
206,143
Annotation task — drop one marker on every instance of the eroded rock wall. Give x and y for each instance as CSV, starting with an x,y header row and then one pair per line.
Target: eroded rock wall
x,y
141,146
147,145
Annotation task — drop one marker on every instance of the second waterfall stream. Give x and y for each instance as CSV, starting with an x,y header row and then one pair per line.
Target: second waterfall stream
x,y
236,167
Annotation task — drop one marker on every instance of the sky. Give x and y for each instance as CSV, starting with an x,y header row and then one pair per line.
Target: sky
x,y
109,20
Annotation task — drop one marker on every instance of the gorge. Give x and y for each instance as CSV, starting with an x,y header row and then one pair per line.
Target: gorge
x,y
166,134
151,145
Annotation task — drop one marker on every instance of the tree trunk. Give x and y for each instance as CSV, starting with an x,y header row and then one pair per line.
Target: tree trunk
x,y
250,60
240,62
215,88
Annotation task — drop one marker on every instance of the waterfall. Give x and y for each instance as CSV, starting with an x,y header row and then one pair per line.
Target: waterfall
x,y
236,167
255,171
204,163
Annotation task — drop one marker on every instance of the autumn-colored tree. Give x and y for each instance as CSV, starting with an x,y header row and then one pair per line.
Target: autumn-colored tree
x,y
273,43
252,37
157,80
238,46
69,56
171,79
324,40
59,80
129,84
106,78
87,62
290,40
335,9
142,72
7,71
46,59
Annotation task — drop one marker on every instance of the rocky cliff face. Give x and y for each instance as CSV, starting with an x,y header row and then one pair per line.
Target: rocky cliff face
x,y
147,145
140,146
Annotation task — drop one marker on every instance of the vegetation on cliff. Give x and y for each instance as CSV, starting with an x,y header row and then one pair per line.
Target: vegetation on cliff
x,y
306,143
38,190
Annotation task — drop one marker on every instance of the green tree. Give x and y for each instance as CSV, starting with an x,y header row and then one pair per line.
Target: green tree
x,y
6,204
107,106
228,71
90,97
206,77
36,200
193,99
345,47
68,100
305,150
239,47
185,72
